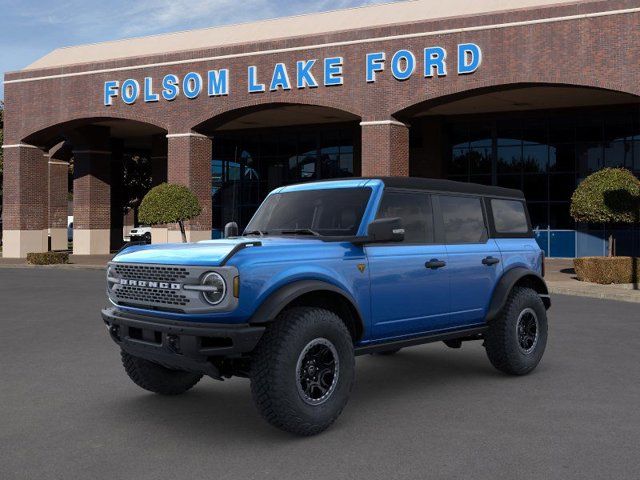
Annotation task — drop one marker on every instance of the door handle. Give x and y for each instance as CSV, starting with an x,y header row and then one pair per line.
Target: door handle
x,y
434,263
490,261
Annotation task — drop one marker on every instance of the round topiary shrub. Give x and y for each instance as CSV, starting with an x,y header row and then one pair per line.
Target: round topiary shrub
x,y
611,195
169,203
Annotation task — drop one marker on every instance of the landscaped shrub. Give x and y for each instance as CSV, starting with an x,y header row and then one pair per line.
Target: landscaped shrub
x,y
169,203
48,258
606,270
611,195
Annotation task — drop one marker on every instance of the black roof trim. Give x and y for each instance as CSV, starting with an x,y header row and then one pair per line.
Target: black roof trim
x,y
448,186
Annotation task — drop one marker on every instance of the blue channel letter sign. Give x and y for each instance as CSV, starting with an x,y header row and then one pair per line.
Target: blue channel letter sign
x,y
308,73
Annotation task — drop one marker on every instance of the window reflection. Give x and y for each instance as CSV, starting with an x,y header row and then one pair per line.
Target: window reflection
x,y
247,165
545,153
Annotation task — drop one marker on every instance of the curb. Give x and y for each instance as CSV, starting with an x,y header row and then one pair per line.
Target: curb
x,y
617,296
69,266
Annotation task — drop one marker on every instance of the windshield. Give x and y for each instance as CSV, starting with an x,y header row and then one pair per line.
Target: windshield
x,y
326,212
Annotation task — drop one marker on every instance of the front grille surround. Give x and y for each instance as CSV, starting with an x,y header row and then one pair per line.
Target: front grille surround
x,y
161,287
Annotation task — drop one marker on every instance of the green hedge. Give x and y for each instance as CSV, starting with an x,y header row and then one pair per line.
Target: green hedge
x,y
168,203
610,195
607,270
47,258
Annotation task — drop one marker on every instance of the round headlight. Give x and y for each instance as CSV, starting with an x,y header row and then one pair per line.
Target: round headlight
x,y
216,288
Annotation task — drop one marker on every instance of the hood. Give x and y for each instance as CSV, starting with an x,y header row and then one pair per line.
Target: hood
x,y
205,253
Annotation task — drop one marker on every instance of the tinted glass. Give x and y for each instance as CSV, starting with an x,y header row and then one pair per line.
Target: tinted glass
x,y
463,219
329,212
509,216
414,209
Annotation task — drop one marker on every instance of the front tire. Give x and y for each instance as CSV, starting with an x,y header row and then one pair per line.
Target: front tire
x,y
302,370
516,339
156,378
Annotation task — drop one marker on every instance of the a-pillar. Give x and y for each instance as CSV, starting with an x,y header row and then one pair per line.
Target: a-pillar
x,y
189,164
58,191
24,209
385,148
159,233
91,191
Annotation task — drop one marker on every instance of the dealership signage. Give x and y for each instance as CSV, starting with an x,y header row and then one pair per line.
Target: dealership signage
x,y
308,73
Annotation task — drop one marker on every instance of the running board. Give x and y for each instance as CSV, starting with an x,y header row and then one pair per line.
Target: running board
x,y
430,338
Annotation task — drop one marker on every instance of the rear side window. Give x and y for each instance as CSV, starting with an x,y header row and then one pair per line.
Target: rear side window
x,y
414,209
509,216
463,219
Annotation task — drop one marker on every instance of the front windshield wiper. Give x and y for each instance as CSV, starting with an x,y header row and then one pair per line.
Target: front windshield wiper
x,y
255,232
300,231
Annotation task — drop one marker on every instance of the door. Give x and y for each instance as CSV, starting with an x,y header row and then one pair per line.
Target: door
x,y
409,280
474,260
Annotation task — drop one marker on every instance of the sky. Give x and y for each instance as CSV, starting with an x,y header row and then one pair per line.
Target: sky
x,y
30,29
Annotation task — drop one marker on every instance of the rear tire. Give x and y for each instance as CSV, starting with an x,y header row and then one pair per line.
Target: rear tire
x,y
302,370
516,339
156,378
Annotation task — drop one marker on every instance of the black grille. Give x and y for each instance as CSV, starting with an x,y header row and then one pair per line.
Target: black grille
x,y
151,273
144,296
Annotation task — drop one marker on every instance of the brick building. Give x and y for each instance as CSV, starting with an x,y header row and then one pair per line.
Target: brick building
x,y
535,96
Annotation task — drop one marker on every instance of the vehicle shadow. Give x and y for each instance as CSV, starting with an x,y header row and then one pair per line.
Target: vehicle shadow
x,y
226,410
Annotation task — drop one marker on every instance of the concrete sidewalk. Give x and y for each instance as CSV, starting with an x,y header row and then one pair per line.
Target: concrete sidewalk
x,y
92,262
561,279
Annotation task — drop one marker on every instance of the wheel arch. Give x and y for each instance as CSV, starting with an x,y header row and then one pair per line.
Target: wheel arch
x,y
315,293
516,277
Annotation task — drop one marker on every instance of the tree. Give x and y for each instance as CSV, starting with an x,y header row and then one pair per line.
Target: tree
x,y
611,195
136,182
169,203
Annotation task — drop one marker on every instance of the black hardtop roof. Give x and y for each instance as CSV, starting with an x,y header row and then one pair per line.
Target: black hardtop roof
x,y
448,186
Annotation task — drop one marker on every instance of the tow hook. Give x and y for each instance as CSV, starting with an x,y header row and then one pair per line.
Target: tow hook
x,y
173,344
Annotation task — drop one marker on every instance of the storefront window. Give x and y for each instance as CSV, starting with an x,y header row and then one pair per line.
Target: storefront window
x,y
545,154
247,165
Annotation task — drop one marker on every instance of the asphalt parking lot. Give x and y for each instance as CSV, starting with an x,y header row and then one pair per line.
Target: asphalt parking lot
x,y
67,409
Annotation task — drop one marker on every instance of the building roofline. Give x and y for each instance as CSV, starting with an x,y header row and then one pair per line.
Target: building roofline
x,y
309,24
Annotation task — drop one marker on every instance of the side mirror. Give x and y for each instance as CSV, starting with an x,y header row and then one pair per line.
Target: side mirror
x,y
231,230
385,230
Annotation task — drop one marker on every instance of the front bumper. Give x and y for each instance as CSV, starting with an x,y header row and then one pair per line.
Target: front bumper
x,y
180,345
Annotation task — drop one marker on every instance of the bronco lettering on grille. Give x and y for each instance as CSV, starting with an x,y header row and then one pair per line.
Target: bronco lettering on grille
x,y
148,284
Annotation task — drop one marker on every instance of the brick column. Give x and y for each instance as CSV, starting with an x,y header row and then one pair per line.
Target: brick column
x,y
91,190
189,164
24,203
385,148
159,233
58,190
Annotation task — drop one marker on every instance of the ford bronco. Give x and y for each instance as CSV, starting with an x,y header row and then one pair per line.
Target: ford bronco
x,y
326,271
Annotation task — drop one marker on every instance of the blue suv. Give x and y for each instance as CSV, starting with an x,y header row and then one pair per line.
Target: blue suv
x,y
326,271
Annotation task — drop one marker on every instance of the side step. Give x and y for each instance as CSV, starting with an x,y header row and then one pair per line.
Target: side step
x,y
430,338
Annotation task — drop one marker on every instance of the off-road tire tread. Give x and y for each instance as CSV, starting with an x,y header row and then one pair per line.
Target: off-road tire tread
x,y
267,388
156,378
502,352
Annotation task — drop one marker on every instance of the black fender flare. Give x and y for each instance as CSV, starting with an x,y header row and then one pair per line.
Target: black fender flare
x,y
509,280
278,300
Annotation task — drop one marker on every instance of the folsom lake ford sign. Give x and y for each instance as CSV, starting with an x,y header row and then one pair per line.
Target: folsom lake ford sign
x,y
309,73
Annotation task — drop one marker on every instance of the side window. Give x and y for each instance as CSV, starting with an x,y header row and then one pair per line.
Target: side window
x,y
463,219
414,209
509,216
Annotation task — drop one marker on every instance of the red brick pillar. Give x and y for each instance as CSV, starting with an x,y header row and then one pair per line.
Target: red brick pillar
x,y
91,191
385,148
25,210
58,191
189,164
158,159
159,233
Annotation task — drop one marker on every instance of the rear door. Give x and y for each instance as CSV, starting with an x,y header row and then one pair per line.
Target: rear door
x,y
407,295
474,260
